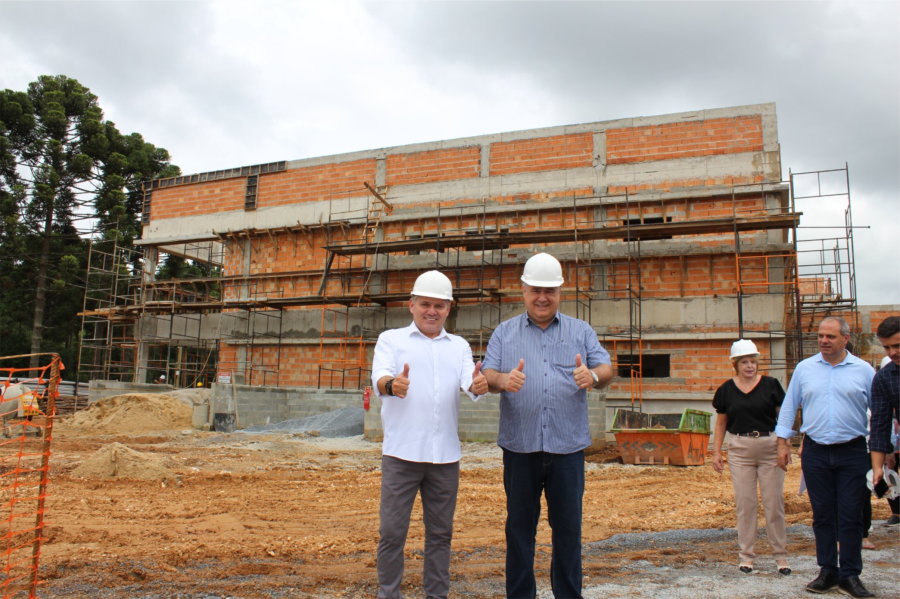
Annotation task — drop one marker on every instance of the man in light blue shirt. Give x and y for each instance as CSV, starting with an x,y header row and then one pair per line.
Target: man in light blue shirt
x,y
542,363
834,390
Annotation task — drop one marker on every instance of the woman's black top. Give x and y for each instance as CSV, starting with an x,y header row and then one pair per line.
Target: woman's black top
x,y
748,412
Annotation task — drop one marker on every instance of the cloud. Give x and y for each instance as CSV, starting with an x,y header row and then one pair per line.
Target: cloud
x,y
220,85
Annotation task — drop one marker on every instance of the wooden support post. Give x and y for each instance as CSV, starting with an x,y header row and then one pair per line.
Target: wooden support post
x,y
328,263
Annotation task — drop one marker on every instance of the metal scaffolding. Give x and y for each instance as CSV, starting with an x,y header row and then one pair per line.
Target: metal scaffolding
x,y
373,255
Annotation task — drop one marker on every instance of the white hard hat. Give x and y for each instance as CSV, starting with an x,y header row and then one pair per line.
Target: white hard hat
x,y
433,284
162,377
742,348
892,480
543,270
885,361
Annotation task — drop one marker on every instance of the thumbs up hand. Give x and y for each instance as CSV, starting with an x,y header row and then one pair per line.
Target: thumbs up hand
x,y
516,378
479,381
401,383
583,377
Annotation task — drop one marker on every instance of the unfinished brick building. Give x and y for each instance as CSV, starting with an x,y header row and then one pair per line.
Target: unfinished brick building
x,y
678,234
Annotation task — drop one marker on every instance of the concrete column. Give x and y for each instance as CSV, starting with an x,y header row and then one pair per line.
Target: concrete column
x,y
485,169
380,172
239,375
148,275
600,148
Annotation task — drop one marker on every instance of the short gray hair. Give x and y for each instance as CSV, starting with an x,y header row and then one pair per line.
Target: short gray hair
x,y
845,328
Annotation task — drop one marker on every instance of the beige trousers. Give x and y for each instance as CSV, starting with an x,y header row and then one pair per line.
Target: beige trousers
x,y
754,461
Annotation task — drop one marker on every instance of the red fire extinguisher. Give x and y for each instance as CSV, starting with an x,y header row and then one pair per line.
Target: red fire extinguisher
x,y
366,395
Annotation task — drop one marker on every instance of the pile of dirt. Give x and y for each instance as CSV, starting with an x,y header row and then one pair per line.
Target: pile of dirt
x,y
346,422
118,461
128,414
192,397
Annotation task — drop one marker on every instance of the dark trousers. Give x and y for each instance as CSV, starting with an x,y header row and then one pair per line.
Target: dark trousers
x,y
401,481
836,479
560,477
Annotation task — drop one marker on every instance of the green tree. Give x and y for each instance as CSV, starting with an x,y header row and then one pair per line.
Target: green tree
x,y
62,164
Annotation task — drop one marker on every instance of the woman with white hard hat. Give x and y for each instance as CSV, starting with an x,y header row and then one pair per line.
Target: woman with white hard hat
x,y
747,408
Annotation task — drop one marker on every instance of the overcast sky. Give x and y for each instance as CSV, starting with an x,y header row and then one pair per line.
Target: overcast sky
x,y
229,84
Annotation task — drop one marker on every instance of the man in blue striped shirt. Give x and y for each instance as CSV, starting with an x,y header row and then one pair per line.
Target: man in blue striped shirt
x,y
834,389
885,406
542,363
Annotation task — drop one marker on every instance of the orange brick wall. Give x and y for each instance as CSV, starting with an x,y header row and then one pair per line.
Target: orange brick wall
x,y
703,364
816,286
693,209
197,199
877,317
299,259
345,179
672,185
542,154
298,365
692,276
432,166
322,182
684,140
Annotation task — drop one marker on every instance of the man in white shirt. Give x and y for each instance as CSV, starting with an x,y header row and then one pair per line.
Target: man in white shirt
x,y
418,372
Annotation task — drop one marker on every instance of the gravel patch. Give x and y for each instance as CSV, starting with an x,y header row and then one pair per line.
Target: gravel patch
x,y
715,580
338,444
673,538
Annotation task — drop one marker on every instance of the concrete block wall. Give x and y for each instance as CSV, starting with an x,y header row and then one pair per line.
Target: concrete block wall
x,y
267,405
99,389
253,405
480,421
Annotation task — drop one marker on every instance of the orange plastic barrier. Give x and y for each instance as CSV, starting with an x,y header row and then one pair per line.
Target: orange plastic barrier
x,y
25,438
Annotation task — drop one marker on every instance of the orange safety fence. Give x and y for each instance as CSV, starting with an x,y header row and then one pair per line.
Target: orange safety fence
x,y
27,410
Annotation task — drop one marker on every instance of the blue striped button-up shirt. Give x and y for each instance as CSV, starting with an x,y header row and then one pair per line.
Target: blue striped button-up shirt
x,y
549,413
885,400
834,400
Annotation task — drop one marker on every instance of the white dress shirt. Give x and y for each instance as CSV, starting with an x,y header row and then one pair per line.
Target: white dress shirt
x,y
422,427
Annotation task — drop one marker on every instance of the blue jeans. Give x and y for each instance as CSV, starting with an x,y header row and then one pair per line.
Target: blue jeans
x,y
836,479
560,477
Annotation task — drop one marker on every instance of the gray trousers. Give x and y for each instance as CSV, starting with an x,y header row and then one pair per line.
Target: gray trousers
x,y
400,482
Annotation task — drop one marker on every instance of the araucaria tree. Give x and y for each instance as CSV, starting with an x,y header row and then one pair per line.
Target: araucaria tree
x,y
61,164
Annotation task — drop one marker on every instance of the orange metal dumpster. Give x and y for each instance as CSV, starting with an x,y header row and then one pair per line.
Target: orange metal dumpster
x,y
675,439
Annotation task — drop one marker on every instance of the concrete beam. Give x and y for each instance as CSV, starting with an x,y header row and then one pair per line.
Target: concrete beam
x,y
407,197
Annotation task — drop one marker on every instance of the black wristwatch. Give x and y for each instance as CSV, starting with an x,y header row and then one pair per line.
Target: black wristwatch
x,y
389,387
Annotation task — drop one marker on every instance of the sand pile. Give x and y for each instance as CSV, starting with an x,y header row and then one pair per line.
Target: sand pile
x,y
129,414
118,461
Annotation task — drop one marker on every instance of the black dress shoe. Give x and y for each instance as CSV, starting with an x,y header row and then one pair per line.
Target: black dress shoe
x,y
824,582
854,587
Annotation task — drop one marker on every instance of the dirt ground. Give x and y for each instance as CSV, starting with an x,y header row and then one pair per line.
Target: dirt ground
x,y
281,515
